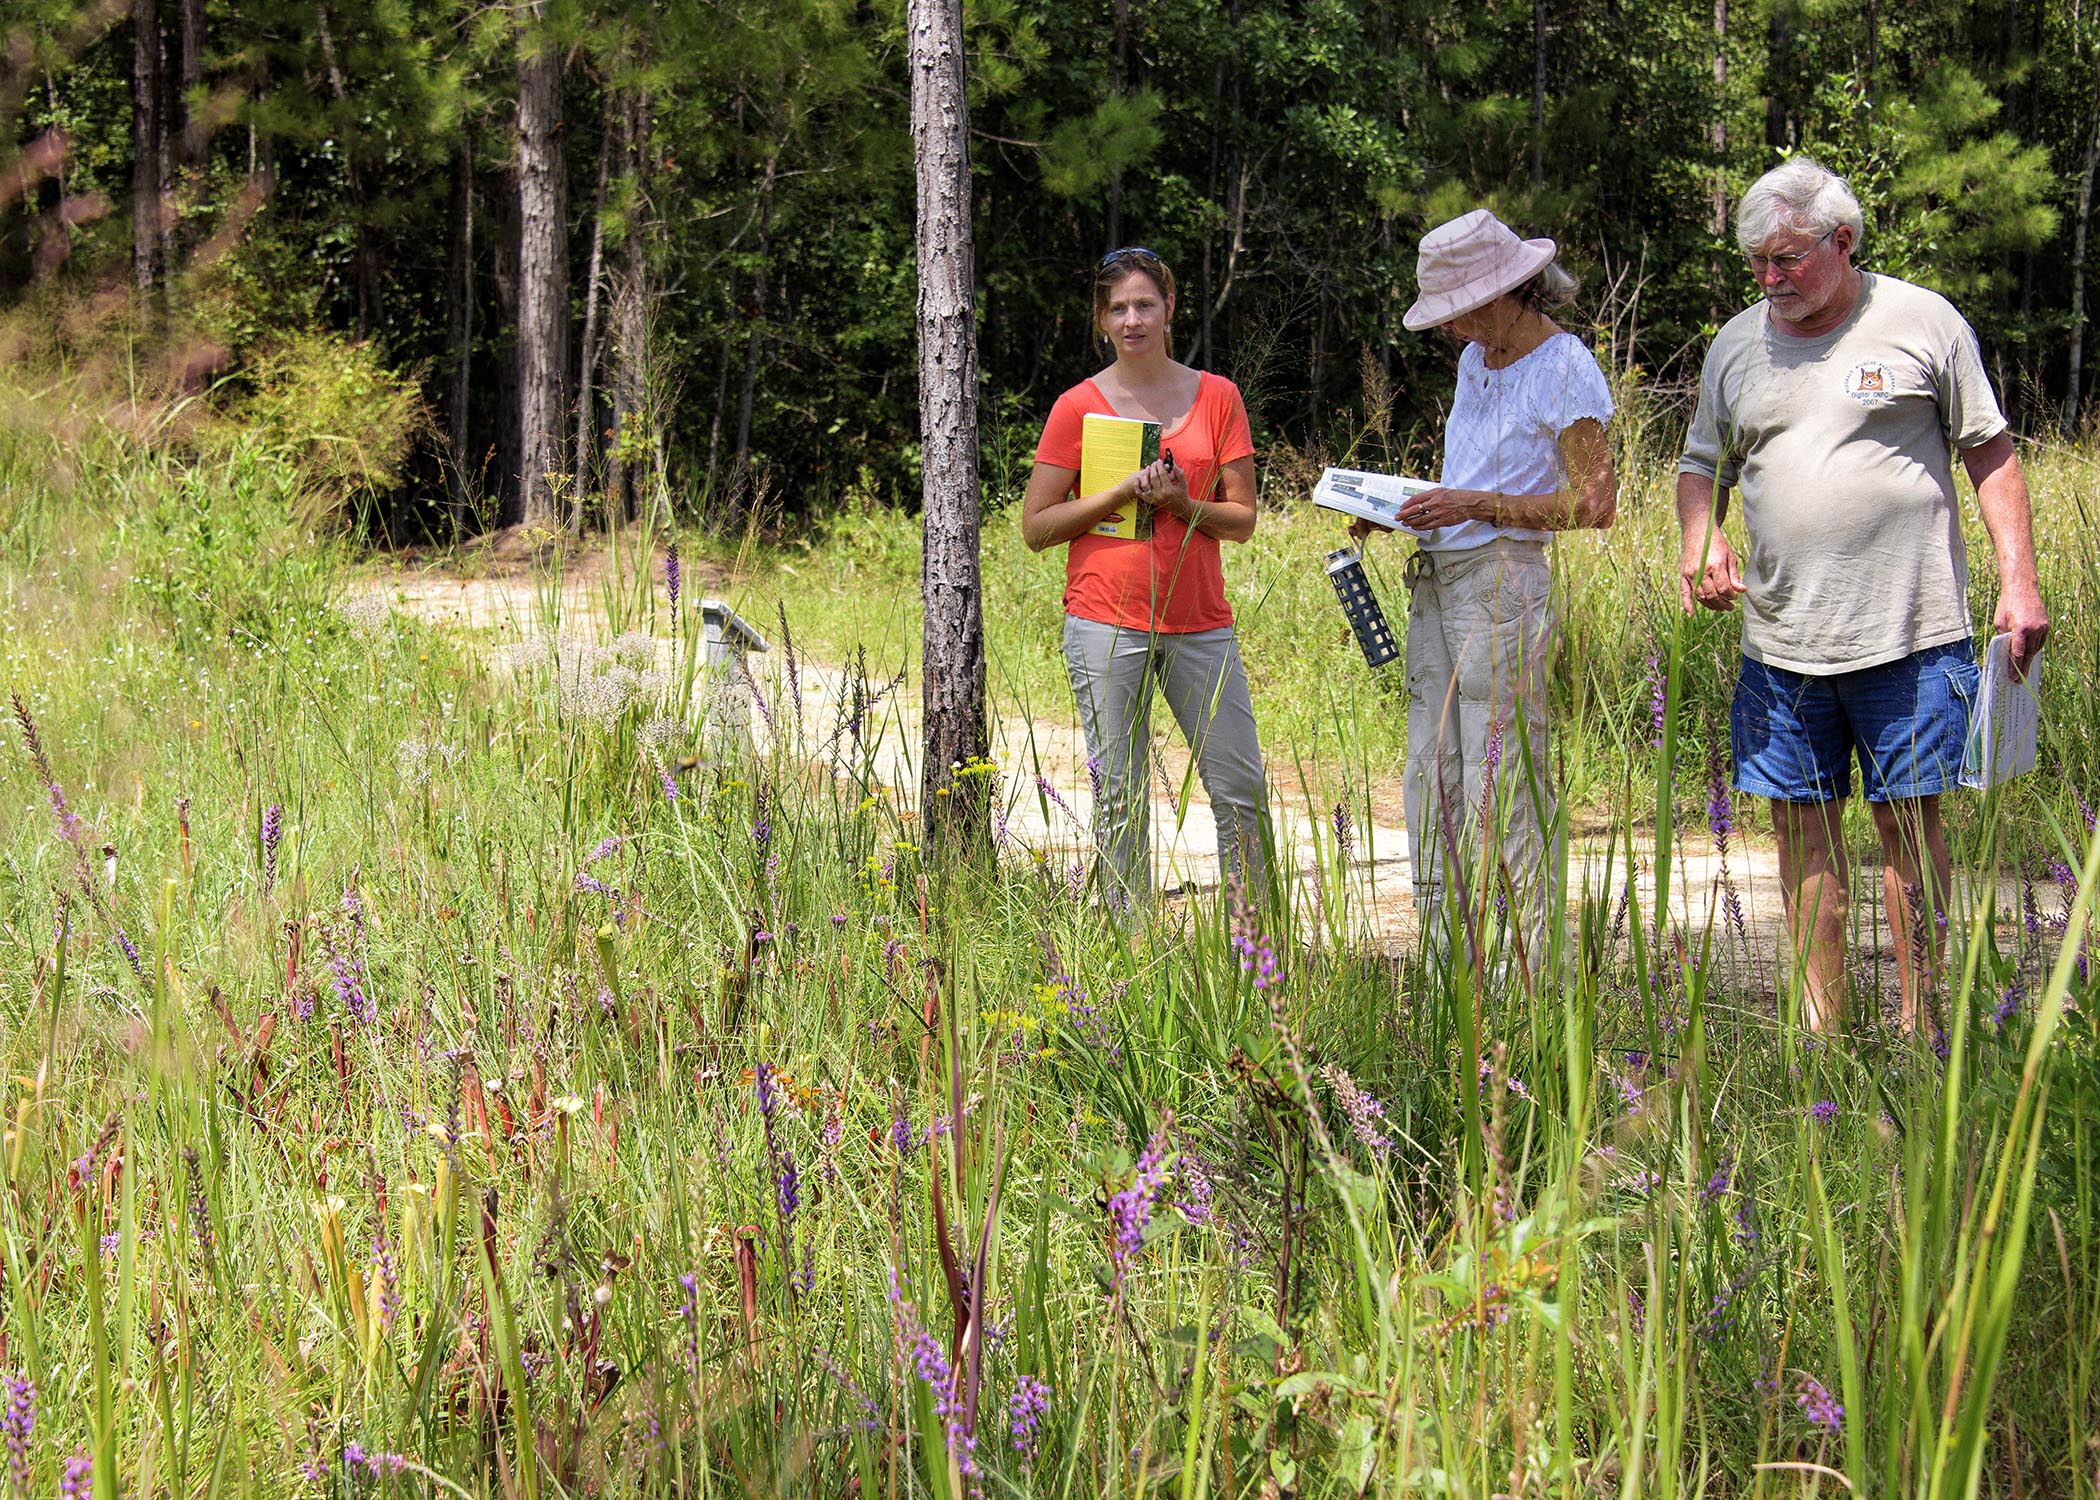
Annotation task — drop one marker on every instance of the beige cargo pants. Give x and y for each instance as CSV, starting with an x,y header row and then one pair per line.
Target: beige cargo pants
x,y
1480,638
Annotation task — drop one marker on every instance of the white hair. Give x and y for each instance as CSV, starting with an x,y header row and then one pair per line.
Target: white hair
x,y
1800,194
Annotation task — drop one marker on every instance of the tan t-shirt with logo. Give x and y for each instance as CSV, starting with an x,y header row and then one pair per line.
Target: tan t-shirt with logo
x,y
1839,446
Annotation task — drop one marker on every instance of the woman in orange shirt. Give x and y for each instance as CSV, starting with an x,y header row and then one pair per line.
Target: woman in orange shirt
x,y
1153,609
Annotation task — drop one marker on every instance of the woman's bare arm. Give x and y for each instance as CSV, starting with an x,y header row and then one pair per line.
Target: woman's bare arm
x,y
1589,499
1228,514
1050,514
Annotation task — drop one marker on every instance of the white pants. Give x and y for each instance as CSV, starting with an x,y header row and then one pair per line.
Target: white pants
x,y
1112,668
1480,636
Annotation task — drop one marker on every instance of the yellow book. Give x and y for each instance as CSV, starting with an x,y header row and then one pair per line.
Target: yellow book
x,y
1111,449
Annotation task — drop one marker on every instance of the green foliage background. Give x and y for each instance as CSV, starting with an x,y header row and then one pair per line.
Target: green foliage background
x,y
1283,154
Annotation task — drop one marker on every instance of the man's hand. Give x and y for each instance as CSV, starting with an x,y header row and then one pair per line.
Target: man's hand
x,y
2001,494
2021,616
1707,570
1709,573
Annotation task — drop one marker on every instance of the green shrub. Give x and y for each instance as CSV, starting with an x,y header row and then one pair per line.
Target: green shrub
x,y
338,417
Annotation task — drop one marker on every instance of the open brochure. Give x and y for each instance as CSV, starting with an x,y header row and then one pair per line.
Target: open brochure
x,y
1371,497
2004,723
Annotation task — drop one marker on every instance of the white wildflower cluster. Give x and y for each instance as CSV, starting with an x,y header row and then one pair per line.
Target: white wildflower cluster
x,y
419,758
663,734
367,616
596,683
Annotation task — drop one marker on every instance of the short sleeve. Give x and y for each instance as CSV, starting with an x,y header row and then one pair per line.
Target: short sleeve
x,y
1703,449
1571,387
1968,407
1064,432
1235,438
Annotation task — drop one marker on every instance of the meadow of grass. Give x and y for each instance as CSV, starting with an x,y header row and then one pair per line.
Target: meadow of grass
x,y
436,1073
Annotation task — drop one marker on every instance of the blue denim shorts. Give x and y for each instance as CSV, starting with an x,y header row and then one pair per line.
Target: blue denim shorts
x,y
1908,719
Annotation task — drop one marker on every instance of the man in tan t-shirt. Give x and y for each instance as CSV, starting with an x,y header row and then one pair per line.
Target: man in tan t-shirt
x,y
1832,406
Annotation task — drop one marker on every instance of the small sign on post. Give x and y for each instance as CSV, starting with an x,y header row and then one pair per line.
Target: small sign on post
x,y
729,638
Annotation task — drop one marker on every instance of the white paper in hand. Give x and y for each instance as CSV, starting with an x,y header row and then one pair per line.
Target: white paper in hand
x,y
2005,722
1376,498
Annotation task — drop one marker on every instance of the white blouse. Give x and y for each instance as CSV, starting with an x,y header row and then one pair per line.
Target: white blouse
x,y
1505,427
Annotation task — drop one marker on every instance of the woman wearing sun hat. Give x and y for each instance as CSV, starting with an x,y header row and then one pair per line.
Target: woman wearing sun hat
x,y
1525,456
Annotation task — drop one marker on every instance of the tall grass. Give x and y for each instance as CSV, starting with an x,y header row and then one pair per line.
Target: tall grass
x,y
501,1123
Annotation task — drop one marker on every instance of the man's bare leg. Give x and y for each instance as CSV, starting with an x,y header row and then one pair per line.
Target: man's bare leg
x,y
1917,892
1816,886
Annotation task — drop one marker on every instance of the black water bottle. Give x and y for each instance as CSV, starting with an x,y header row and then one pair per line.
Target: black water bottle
x,y
1346,568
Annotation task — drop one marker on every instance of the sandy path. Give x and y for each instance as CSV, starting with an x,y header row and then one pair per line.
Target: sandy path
x,y
509,602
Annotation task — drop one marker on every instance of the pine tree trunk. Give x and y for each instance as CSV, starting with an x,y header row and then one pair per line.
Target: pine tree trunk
x,y
1779,61
2079,239
543,302
192,80
460,289
1119,81
148,132
955,810
630,318
1717,218
1538,93
587,354
732,515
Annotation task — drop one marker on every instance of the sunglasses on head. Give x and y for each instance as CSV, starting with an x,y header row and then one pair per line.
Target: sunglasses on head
x,y
1129,252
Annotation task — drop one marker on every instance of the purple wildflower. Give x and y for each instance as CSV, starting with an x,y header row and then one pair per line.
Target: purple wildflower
x,y
931,1365
1194,1202
1130,1210
1658,700
272,834
374,1464
1823,1111
78,1480
689,1315
2009,1003
131,954
1365,1114
787,1179
1024,1415
18,1421
1819,1406
349,986
1042,784
671,573
608,845
386,1276
871,1414
1723,1179
1257,953
1637,1310
69,825
591,886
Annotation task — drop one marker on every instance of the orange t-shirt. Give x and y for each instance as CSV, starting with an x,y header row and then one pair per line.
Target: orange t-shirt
x,y
1174,584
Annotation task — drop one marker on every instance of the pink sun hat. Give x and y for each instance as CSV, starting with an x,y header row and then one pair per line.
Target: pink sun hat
x,y
1468,263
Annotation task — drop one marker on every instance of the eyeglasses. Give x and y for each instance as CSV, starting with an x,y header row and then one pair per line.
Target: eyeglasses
x,y
1787,265
1129,252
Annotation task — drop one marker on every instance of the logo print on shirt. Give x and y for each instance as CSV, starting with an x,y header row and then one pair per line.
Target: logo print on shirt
x,y
1869,384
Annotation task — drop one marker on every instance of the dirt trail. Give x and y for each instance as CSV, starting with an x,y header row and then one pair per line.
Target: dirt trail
x,y
505,599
